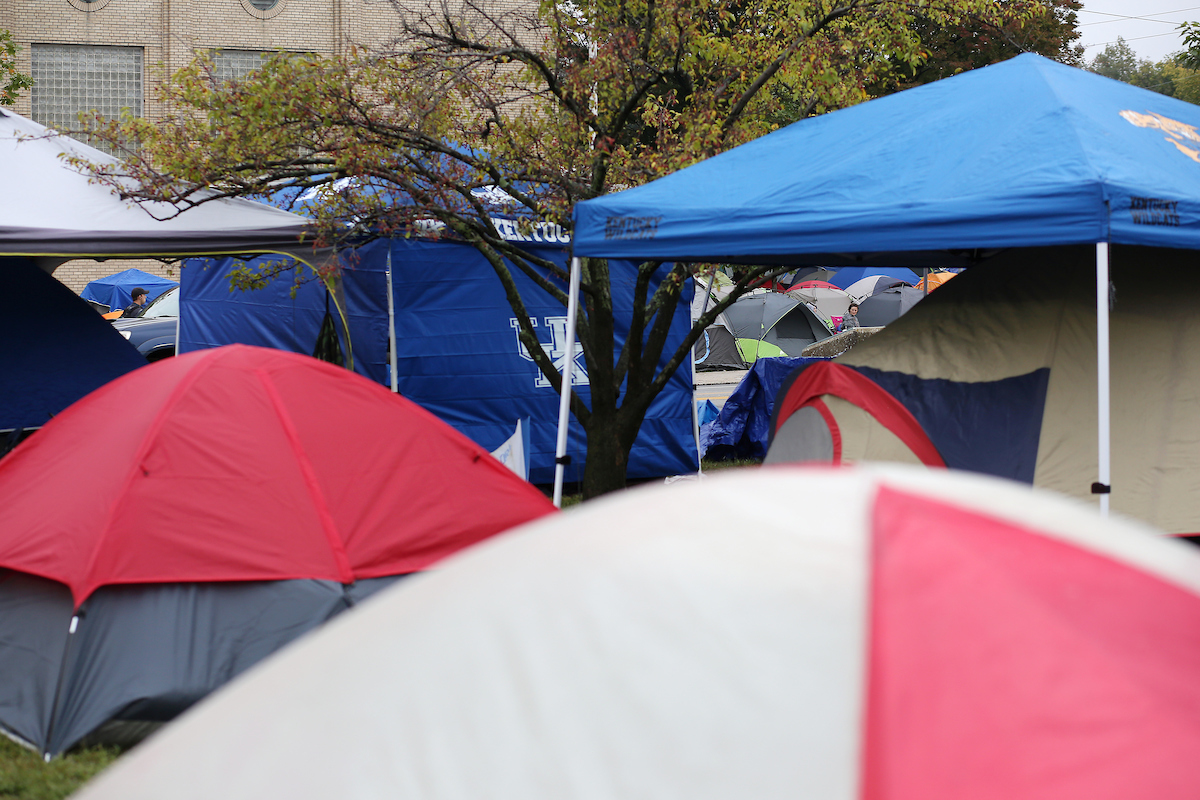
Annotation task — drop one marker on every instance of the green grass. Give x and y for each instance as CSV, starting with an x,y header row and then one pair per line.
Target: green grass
x,y
25,776
735,463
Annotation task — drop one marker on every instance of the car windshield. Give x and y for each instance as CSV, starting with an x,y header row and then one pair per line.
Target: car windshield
x,y
165,305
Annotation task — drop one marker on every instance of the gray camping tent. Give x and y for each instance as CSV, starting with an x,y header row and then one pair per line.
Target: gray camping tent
x,y
777,319
887,306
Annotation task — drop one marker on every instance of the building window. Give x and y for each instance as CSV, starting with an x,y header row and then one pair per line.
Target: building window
x,y
73,78
88,5
263,9
233,65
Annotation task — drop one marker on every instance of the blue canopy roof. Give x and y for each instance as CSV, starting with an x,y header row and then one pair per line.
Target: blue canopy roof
x,y
114,291
1024,153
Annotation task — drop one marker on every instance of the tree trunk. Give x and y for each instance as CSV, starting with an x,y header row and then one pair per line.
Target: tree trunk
x,y
607,458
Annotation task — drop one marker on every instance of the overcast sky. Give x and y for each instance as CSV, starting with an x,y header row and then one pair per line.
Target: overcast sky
x,y
1147,25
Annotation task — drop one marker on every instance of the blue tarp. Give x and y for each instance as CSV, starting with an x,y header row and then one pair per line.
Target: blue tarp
x,y
1024,153
57,347
457,349
115,291
743,428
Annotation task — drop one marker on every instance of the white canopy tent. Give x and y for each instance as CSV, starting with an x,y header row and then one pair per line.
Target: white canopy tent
x,y
52,212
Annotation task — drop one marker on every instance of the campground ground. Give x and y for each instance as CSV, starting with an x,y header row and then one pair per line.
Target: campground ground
x,y
25,776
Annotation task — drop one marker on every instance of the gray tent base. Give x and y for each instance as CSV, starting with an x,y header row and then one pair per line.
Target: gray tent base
x,y
141,655
717,350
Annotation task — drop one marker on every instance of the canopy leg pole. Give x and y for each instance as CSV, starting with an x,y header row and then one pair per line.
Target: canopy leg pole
x,y
924,281
1103,487
564,403
695,412
391,324
696,418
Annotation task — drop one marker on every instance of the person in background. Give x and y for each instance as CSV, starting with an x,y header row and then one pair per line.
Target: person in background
x,y
851,319
138,305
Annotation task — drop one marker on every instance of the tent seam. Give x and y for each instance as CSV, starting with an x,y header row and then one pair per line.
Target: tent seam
x,y
1098,178
328,526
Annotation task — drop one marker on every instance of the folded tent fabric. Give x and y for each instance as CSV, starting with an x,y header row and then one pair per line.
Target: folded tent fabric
x,y
192,477
906,636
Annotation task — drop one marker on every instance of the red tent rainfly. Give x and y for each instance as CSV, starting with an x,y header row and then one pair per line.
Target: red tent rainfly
x,y
237,464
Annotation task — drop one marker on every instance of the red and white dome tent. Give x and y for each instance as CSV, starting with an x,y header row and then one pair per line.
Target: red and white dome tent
x,y
182,522
905,635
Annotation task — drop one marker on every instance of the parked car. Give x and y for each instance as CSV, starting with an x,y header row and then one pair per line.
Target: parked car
x,y
153,333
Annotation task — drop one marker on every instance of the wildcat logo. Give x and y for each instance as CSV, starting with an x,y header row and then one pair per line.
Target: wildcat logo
x,y
1178,133
556,349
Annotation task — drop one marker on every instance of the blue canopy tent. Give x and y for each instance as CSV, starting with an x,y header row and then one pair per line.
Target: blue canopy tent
x,y
1024,153
456,348
114,291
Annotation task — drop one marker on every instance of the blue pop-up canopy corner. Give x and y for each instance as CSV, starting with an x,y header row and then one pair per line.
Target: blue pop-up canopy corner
x,y
1026,153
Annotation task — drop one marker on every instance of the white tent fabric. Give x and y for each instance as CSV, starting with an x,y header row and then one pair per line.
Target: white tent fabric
x,y
829,302
52,211
678,642
872,284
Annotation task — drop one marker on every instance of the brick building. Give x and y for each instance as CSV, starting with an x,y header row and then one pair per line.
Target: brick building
x,y
111,54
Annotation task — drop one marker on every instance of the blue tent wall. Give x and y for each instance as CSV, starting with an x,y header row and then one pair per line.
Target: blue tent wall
x,y
457,350
57,347
284,315
114,290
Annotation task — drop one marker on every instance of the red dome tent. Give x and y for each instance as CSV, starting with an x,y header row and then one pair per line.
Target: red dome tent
x,y
189,518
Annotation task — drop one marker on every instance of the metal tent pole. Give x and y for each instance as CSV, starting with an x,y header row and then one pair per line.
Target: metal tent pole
x,y
695,412
391,323
564,403
695,416
1103,486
